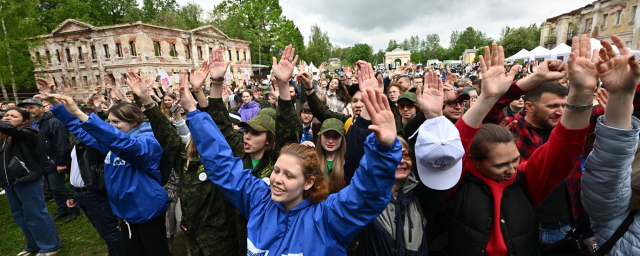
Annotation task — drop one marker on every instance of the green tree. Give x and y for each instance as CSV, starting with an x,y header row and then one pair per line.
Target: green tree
x,y
360,52
416,57
191,13
378,57
392,45
515,39
467,39
319,49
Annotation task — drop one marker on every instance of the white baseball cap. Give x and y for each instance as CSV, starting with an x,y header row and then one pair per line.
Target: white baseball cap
x,y
439,153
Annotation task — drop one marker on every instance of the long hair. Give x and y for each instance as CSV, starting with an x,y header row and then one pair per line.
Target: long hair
x,y
268,148
25,117
166,110
127,112
310,169
336,177
341,92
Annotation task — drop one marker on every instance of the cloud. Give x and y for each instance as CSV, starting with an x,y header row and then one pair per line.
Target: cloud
x,y
375,22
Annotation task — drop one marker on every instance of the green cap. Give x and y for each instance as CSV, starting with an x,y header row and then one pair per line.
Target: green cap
x,y
268,111
261,123
408,96
332,124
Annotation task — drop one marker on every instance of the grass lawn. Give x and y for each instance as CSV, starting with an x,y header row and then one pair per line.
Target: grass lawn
x,y
78,237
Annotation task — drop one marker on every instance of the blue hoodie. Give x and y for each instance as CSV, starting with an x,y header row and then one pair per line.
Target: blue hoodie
x,y
131,169
325,228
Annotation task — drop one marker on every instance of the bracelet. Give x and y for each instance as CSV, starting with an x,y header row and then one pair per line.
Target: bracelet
x,y
578,108
309,89
149,106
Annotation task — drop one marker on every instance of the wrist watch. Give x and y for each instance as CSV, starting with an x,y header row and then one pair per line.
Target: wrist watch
x,y
219,80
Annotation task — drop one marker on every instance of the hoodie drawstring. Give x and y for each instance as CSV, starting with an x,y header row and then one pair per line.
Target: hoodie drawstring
x,y
128,228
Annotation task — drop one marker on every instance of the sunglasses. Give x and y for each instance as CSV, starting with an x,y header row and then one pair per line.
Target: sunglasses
x,y
405,155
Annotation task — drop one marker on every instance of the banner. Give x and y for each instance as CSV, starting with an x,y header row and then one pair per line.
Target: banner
x,y
164,78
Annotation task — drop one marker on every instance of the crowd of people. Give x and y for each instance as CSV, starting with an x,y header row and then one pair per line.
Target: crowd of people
x,y
493,159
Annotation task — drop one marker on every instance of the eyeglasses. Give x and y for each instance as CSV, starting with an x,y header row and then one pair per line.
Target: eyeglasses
x,y
403,106
405,155
454,103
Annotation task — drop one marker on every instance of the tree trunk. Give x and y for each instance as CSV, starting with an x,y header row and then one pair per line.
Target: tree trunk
x,y
4,91
13,79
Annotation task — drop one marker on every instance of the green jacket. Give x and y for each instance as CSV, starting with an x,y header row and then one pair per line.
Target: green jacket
x,y
288,130
208,218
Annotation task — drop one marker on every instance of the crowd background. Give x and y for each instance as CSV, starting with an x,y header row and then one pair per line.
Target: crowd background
x,y
489,158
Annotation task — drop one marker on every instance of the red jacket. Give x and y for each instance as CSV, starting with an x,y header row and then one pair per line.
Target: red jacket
x,y
545,169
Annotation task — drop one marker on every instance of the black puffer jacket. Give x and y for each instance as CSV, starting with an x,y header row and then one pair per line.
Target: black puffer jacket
x,y
53,148
19,161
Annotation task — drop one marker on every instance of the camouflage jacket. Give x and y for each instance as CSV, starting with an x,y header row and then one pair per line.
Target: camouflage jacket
x,y
207,216
288,130
172,145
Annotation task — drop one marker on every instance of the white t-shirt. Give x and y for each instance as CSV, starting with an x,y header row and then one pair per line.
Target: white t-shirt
x,y
75,178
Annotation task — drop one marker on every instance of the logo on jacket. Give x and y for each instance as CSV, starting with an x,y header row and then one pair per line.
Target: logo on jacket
x,y
116,161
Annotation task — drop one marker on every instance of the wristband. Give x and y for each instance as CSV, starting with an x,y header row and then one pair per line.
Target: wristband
x,y
149,106
220,79
309,89
578,107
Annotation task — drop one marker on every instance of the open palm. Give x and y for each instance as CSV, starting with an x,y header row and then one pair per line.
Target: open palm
x,y
494,81
383,123
582,67
431,99
282,71
366,77
217,65
618,73
198,76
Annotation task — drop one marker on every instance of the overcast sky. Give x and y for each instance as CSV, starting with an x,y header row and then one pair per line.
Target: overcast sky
x,y
376,22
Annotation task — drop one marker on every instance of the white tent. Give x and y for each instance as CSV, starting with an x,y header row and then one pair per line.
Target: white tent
x,y
538,52
562,50
522,54
313,68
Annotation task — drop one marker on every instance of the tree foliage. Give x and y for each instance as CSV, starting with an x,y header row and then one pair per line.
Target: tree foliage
x,y
360,52
515,39
319,49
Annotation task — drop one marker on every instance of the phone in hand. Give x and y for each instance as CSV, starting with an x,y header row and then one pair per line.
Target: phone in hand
x,y
175,107
158,78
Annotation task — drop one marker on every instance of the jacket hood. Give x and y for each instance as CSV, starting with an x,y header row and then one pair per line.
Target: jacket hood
x,y
143,128
410,183
251,104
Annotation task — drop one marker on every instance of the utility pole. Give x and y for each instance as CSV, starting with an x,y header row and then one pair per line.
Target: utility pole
x,y
13,79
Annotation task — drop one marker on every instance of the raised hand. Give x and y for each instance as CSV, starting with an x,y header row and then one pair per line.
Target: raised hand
x,y
619,73
494,81
582,68
322,68
138,86
366,77
198,76
217,65
68,103
282,71
549,70
305,79
186,99
431,99
383,123
301,67
602,97
47,85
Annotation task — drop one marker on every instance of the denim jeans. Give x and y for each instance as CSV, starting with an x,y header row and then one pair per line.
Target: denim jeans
x,y
98,210
30,212
61,193
553,232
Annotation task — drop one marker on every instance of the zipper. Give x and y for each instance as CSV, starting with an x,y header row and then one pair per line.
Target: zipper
x,y
4,163
286,229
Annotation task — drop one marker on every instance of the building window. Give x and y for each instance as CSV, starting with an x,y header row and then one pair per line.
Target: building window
x,y
119,49
173,52
604,20
587,25
48,57
93,52
628,43
38,57
199,52
634,9
106,51
237,55
618,17
156,48
85,81
229,54
132,46
68,52
74,83
80,55
210,51
58,56
99,81
245,55
187,51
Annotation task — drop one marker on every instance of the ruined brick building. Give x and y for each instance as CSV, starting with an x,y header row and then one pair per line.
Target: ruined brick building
x,y
82,55
598,20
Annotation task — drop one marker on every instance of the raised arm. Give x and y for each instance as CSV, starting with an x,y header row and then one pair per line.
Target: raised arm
x,y
552,162
225,171
606,180
288,128
368,194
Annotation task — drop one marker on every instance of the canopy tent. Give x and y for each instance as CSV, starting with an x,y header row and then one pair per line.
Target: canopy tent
x,y
562,51
313,68
538,53
522,54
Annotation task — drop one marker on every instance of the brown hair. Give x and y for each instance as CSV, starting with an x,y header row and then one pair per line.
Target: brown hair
x,y
336,177
166,110
486,138
393,84
25,117
270,143
127,112
310,169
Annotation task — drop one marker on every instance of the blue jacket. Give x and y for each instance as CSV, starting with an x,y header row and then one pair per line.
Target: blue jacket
x,y
131,169
325,228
